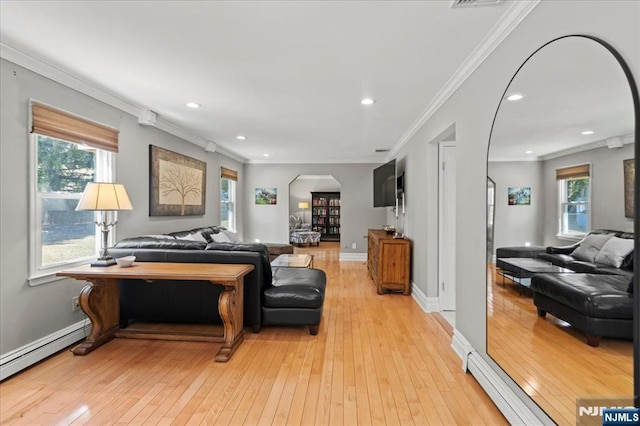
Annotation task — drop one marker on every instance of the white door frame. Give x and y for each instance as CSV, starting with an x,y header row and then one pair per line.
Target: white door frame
x,y
446,264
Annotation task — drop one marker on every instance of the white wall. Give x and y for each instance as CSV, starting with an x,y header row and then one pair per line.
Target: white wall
x,y
271,223
517,225
471,108
30,313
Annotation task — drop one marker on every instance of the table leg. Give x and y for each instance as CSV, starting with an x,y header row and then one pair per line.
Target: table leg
x,y
100,302
231,308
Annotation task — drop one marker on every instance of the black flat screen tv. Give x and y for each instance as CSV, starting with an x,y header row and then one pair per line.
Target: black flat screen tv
x,y
384,185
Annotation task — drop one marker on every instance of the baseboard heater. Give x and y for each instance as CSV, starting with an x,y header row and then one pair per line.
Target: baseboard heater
x,y
29,354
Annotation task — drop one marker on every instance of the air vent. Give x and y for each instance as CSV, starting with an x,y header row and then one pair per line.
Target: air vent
x,y
383,150
474,3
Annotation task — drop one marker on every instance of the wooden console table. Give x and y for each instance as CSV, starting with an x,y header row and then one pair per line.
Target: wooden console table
x,y
100,300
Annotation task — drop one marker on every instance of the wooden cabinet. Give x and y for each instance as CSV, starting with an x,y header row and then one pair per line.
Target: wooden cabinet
x,y
389,261
325,215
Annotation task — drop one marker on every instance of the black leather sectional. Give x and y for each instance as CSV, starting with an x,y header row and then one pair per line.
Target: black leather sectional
x,y
296,297
597,298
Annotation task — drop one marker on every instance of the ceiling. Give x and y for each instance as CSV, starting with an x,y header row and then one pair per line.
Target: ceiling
x,y
289,76
571,85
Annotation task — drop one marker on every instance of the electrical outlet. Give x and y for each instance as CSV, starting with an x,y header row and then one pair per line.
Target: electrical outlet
x,y
75,304
353,246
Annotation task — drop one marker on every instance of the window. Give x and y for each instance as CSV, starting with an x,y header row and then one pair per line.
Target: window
x,y
228,179
574,197
63,161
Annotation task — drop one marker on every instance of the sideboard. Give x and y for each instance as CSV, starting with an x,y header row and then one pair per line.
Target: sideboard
x,y
389,261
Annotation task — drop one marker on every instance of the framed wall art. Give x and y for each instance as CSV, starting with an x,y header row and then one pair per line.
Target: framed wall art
x,y
629,179
519,195
267,196
177,184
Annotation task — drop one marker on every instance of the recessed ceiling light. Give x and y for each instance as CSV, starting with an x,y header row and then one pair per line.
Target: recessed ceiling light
x,y
193,105
528,152
514,97
265,154
587,132
241,138
368,101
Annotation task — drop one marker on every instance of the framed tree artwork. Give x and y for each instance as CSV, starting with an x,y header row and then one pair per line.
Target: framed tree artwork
x,y
176,184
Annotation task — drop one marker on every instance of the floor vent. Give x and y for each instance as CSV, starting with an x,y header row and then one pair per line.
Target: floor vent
x,y
473,3
382,150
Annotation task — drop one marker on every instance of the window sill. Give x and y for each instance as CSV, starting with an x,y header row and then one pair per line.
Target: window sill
x,y
49,276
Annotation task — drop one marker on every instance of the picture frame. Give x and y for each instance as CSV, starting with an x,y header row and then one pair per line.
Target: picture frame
x,y
177,184
266,196
629,168
519,195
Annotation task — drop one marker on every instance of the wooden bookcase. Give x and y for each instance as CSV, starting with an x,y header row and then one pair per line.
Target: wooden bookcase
x,y
325,215
389,262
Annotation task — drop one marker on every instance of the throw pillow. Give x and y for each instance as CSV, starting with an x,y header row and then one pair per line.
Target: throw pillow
x,y
590,246
161,237
614,251
196,236
233,237
220,237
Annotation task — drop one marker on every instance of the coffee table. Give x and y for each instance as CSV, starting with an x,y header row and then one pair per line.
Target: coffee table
x,y
293,261
521,269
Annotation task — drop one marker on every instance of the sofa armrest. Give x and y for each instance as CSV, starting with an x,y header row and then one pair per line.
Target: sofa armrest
x,y
562,249
583,267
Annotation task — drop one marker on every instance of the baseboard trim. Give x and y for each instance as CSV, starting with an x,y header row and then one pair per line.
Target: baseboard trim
x,y
508,402
27,355
428,304
353,257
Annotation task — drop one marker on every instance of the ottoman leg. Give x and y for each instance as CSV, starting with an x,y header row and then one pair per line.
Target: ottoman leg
x,y
593,340
541,313
313,329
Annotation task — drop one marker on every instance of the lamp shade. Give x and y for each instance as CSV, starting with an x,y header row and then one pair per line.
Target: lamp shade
x,y
104,196
303,205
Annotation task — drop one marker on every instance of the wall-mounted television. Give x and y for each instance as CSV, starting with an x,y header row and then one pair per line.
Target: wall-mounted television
x,y
384,185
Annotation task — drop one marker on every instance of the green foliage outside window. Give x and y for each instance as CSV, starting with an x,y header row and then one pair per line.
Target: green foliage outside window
x,y
63,166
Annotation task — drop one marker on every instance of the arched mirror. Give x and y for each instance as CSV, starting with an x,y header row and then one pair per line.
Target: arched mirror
x,y
560,314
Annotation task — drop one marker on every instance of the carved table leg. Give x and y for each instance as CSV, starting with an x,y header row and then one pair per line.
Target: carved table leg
x,y
231,306
100,302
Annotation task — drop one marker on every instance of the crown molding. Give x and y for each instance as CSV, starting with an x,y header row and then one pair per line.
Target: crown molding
x,y
74,82
507,23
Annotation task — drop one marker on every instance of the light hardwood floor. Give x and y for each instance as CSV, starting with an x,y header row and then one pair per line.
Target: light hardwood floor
x,y
376,360
548,358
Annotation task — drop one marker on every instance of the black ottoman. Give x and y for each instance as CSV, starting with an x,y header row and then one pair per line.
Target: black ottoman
x,y
598,304
523,251
295,297
276,249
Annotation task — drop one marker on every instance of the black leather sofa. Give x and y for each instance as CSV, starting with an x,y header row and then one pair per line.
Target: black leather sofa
x,y
295,298
597,299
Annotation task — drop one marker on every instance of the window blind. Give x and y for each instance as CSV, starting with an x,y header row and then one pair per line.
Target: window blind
x,y
573,172
228,174
52,122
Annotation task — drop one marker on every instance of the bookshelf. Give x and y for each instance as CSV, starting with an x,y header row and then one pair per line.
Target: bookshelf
x,y
325,215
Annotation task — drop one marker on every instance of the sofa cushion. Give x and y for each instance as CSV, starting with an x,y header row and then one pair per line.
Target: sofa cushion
x,y
296,288
614,251
160,243
630,287
562,260
594,295
590,246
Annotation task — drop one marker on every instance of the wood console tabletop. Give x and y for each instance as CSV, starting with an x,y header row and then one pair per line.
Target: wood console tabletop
x,y
100,300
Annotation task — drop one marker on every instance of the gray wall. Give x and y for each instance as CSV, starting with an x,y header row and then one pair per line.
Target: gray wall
x,y
270,223
471,108
517,225
30,313
302,187
607,190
